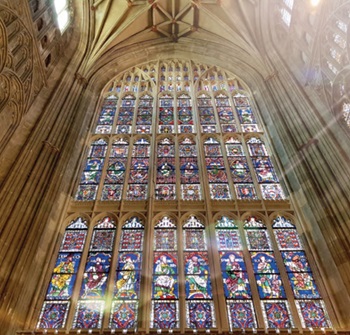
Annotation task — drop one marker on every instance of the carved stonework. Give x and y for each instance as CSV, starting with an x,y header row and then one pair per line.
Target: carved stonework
x,y
16,70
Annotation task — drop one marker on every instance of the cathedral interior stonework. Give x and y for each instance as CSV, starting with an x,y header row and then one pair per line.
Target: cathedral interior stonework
x,y
174,166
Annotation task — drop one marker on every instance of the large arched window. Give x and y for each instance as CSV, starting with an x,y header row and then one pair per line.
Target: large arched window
x,y
179,143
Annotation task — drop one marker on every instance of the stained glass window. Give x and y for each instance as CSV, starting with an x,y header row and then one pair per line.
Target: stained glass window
x,y
198,288
189,170
184,114
144,115
217,177
165,287
206,114
166,172
124,313
90,307
267,275
126,115
265,173
138,178
225,114
240,172
115,175
311,308
245,114
166,114
238,296
58,296
106,116
91,175
153,143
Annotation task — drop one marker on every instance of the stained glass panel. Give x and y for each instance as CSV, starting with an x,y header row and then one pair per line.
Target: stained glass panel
x,y
295,261
88,315
241,314
128,276
53,315
124,314
138,178
277,314
258,239
228,239
200,314
165,314
313,313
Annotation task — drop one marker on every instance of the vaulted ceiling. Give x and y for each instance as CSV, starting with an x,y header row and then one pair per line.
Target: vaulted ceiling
x,y
118,24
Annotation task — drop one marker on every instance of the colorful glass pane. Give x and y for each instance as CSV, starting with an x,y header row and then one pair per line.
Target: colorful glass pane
x,y
277,314
86,192
73,240
133,257
194,239
124,314
232,261
131,240
98,262
228,239
313,313
102,240
272,192
61,287
53,315
245,191
165,239
67,262
288,239
165,263
112,192
88,315
219,192
191,192
165,314
200,314
258,239
264,262
241,314
94,285
270,286
127,284
295,261
166,192
303,285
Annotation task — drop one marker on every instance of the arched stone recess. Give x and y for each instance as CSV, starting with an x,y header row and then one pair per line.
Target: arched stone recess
x,y
16,71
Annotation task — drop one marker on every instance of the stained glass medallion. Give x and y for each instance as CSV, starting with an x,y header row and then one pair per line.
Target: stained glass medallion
x,y
277,314
241,314
53,315
313,313
124,314
200,314
88,315
165,314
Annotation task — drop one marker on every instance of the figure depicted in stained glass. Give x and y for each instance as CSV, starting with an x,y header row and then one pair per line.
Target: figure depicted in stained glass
x,y
270,286
164,285
303,285
126,284
198,282
94,283
235,282
67,264
295,261
61,286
